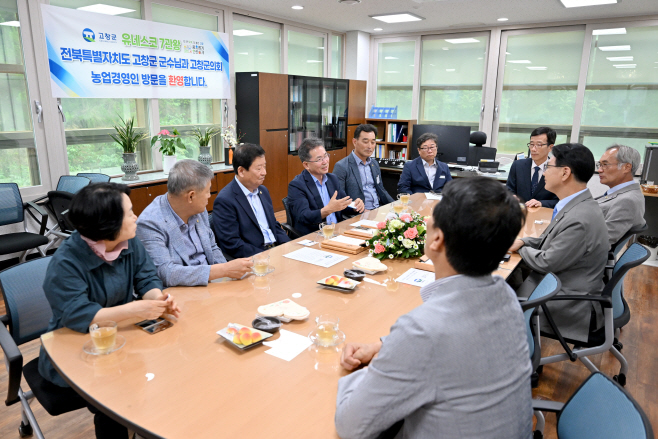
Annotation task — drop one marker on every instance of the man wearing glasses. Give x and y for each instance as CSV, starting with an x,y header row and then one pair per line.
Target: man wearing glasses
x,y
623,203
424,173
526,177
315,195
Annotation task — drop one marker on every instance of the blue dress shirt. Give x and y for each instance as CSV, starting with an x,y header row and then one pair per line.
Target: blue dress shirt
x,y
370,193
257,207
324,194
193,247
563,202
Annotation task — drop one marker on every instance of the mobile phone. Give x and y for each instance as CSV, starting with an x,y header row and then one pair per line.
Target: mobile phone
x,y
154,326
507,257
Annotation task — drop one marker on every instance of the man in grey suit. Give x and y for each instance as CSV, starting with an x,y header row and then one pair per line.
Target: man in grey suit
x,y
623,203
176,233
574,246
358,174
458,366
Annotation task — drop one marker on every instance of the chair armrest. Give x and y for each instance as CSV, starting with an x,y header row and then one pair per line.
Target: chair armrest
x,y
40,199
292,233
547,406
605,301
14,365
44,216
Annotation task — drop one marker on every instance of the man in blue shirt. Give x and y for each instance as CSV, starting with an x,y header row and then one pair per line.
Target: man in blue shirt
x,y
358,174
315,195
243,215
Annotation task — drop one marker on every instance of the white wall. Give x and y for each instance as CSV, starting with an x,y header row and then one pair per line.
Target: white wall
x,y
357,55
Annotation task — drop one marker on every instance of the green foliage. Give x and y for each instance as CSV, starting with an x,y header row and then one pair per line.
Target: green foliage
x,y
205,137
168,141
126,136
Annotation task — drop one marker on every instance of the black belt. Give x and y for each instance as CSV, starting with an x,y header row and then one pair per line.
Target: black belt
x,y
269,246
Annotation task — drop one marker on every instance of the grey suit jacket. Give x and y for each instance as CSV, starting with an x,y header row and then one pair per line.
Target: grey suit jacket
x,y
622,210
458,366
158,230
574,247
349,179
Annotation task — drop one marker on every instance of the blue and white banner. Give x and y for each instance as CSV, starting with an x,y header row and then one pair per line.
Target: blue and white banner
x,y
102,56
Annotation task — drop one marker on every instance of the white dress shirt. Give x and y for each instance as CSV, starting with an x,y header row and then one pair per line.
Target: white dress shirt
x,y
430,170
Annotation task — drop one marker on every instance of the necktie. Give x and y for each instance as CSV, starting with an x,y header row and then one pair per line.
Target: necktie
x,y
535,180
554,213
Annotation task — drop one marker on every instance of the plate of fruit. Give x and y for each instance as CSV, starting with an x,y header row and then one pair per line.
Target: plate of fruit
x,y
243,337
339,283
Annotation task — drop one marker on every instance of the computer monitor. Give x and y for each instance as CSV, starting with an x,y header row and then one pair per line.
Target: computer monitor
x,y
477,153
453,142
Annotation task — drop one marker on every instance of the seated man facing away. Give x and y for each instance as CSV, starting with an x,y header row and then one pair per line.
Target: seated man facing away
x,y
243,216
623,203
574,246
358,174
424,173
314,195
457,366
174,229
526,176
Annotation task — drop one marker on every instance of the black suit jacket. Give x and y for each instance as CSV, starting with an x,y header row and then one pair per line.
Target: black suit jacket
x,y
235,225
414,179
519,183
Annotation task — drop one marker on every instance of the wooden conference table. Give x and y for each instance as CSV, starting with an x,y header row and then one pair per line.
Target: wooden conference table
x,y
187,382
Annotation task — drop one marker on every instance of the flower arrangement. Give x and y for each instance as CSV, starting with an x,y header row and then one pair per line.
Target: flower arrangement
x,y
400,236
168,142
229,137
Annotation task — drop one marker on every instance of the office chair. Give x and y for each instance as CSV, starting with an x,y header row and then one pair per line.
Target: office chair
x,y
598,409
59,203
28,314
288,225
615,312
94,177
12,211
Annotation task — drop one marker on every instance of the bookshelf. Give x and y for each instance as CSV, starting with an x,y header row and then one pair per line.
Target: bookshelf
x,y
391,135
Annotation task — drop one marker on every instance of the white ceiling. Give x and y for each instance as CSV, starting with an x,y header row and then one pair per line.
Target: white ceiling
x,y
438,14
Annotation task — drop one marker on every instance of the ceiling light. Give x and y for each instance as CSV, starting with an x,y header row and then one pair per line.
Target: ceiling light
x,y
615,31
349,2
462,40
298,7
245,33
397,18
11,23
625,66
390,57
519,61
503,19
614,48
579,3
378,28
620,58
391,71
537,68
100,8
450,70
313,61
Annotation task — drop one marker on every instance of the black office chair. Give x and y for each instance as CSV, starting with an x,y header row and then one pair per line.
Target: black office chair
x,y
12,211
288,225
59,203
94,177
598,409
28,314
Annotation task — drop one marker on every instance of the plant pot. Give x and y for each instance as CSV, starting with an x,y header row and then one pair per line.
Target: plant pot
x,y
168,162
204,155
130,166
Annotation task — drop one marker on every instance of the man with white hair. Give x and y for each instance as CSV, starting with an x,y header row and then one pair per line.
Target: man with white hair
x,y
623,203
176,233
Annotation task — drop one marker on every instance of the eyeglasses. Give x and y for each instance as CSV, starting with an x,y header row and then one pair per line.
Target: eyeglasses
x,y
320,160
536,145
546,166
427,148
606,165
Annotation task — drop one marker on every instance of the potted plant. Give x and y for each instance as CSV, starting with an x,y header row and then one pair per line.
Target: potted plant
x,y
204,143
128,138
168,144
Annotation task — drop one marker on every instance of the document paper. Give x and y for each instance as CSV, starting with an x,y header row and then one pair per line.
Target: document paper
x,y
288,345
417,278
315,257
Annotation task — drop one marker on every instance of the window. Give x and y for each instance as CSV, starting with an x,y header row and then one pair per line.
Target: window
x,y
539,86
18,154
622,90
256,45
395,76
452,74
305,54
89,122
336,56
186,114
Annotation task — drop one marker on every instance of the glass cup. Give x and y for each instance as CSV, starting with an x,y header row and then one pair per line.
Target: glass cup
x,y
326,327
327,230
392,284
103,335
261,263
404,198
398,207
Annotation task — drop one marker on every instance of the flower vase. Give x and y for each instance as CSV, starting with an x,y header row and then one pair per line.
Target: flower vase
x,y
204,155
168,162
130,167
228,155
